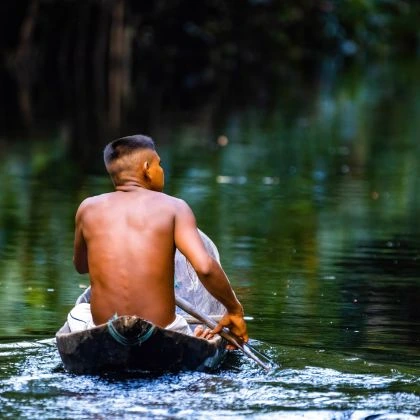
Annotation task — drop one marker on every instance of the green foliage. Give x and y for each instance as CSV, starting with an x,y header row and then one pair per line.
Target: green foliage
x,y
59,62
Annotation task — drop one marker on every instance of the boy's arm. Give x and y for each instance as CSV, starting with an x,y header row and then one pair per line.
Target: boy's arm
x,y
80,259
209,271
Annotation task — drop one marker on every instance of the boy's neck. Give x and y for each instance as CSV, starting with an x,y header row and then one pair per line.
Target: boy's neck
x,y
130,186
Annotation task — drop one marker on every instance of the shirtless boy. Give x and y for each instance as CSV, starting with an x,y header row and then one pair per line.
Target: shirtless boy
x,y
126,241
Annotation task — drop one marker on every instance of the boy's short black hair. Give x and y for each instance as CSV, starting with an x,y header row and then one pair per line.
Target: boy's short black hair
x,y
125,146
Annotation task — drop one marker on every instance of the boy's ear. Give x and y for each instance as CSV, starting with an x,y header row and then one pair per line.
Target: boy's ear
x,y
146,170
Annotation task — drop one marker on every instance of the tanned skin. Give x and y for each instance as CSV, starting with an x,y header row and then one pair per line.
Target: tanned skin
x,y
126,241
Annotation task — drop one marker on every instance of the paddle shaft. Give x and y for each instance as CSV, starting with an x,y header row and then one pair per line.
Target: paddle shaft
x,y
229,337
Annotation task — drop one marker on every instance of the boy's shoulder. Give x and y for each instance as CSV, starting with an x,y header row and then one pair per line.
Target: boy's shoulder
x,y
96,199
175,201
159,196
167,203
92,201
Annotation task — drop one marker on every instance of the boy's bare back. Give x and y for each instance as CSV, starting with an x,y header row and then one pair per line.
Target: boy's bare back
x,y
129,237
126,241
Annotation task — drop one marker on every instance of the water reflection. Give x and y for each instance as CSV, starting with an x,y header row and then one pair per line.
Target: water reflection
x,y
315,216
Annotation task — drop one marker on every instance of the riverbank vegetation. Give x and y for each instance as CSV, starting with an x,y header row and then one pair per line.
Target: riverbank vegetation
x,y
104,66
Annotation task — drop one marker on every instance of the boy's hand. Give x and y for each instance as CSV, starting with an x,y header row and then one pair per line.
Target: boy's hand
x,y
236,325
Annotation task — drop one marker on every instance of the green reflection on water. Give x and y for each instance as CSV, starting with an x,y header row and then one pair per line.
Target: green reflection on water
x,y
313,208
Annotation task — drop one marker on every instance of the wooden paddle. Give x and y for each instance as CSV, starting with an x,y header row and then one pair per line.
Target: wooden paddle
x,y
225,333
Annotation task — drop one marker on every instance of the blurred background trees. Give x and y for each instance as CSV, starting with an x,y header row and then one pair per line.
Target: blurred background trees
x,y
106,66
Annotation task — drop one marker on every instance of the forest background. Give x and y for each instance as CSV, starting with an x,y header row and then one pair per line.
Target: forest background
x,y
96,69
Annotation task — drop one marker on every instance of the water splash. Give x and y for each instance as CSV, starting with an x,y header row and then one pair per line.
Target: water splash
x,y
35,385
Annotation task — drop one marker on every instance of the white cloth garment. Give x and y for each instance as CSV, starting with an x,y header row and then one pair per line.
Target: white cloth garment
x,y
80,319
180,325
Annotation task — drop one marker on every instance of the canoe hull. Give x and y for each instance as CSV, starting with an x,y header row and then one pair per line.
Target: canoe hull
x,y
133,344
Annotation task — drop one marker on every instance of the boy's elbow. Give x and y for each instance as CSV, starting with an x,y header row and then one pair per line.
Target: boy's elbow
x,y
81,266
206,267
82,270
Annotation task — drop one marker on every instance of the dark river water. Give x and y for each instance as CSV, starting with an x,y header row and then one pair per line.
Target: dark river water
x,y
315,213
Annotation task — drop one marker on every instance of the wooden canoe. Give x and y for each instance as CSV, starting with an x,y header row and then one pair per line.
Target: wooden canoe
x,y
129,343
146,347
